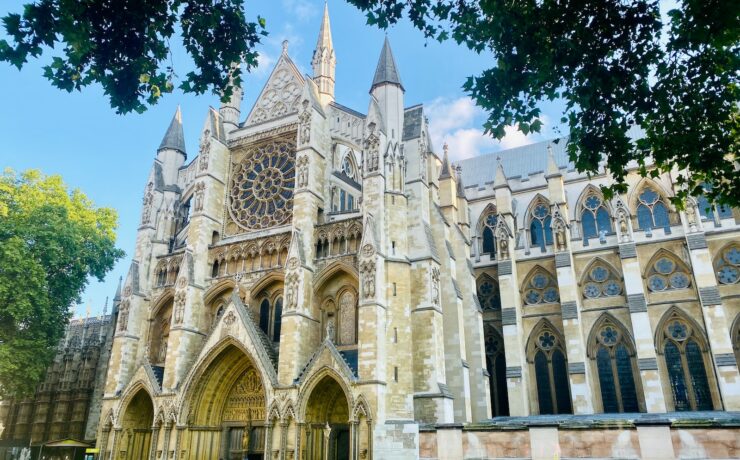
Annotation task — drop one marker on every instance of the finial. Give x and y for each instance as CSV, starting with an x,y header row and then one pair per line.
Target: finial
x,y
445,148
285,46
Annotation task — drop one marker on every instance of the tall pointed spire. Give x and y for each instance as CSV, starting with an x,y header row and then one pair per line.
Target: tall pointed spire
x,y
445,173
324,61
386,72
117,297
552,166
174,138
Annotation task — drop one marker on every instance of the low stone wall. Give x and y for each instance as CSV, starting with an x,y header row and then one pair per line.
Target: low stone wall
x,y
697,435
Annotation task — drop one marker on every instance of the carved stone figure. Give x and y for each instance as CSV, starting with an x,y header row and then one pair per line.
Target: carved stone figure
x,y
330,329
372,148
304,120
179,307
435,285
367,271
560,237
198,196
146,214
302,174
623,227
691,216
205,149
291,291
123,315
503,247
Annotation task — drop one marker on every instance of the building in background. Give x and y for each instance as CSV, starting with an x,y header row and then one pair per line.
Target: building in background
x,y
317,283
67,403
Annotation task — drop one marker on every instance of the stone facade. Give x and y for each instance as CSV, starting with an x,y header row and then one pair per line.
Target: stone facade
x,y
67,403
318,283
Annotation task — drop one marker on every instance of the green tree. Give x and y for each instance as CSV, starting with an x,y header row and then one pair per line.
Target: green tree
x,y
124,45
51,241
616,65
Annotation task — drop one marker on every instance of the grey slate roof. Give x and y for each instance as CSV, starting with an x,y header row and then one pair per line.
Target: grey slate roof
x,y
387,71
519,162
174,138
412,117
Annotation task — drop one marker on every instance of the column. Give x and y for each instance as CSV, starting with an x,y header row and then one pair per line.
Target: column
x,y
647,362
154,442
715,321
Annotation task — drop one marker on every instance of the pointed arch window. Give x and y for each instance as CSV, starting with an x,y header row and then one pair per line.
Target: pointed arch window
x,y
540,225
265,316
616,368
488,294
686,362
667,273
540,288
708,209
488,234
727,265
551,371
595,217
277,319
652,211
496,366
601,281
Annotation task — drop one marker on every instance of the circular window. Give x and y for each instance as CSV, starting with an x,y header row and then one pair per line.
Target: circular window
x,y
551,295
532,297
679,280
609,335
733,256
547,340
664,266
592,290
656,283
728,275
599,274
261,192
539,281
612,288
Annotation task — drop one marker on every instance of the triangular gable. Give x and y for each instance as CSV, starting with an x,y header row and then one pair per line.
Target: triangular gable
x,y
326,355
281,95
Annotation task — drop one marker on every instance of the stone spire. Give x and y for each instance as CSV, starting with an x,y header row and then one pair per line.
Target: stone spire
x,y
117,297
500,179
387,71
174,138
460,186
552,166
324,61
446,168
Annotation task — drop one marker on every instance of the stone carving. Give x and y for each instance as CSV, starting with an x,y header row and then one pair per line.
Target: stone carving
x,y
368,250
146,214
294,263
304,121
423,154
435,285
347,318
249,256
246,399
179,306
182,282
198,196
261,185
503,248
291,291
330,329
205,150
302,166
691,215
367,272
127,291
230,318
123,315
281,96
372,148
622,216
559,228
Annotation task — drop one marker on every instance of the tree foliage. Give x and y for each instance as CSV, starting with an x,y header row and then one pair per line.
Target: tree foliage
x,y
51,241
617,66
124,45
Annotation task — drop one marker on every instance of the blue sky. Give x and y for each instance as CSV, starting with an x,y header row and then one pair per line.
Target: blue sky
x,y
108,156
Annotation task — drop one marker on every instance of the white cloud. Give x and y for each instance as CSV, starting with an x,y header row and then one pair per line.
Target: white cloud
x,y
265,61
303,10
458,122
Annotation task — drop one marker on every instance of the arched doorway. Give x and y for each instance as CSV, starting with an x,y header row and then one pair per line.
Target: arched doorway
x,y
327,434
136,427
227,410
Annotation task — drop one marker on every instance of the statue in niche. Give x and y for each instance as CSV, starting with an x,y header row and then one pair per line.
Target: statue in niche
x,y
330,329
147,204
691,215
302,175
304,120
503,247
205,149
367,270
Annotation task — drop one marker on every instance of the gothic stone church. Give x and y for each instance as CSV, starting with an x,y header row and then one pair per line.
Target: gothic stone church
x,y
317,283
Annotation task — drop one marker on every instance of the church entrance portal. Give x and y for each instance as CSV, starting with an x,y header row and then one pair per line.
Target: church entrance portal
x,y
228,410
327,434
136,428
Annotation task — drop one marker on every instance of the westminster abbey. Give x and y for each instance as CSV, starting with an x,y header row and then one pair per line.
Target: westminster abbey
x,y
321,283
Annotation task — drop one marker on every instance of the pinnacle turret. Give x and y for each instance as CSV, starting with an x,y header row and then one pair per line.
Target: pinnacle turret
x,y
324,61
174,138
446,168
386,72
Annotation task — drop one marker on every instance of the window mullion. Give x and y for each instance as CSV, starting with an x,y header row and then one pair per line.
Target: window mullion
x,y
615,373
553,391
687,377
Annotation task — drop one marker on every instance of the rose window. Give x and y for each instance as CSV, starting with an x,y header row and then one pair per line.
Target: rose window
x,y
541,288
601,282
261,193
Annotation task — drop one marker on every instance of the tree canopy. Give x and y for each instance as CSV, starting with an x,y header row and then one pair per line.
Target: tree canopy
x,y
620,68
617,67
51,241
124,45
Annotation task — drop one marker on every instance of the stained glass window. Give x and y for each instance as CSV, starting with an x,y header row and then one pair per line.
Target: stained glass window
x,y
541,288
488,294
595,217
265,316
651,211
540,225
551,373
616,369
261,187
278,320
601,281
686,364
728,266
496,365
488,229
666,274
